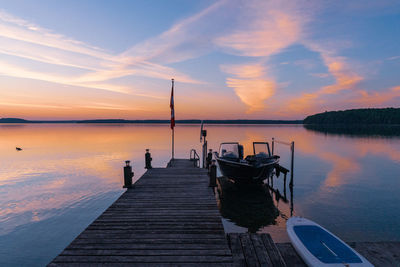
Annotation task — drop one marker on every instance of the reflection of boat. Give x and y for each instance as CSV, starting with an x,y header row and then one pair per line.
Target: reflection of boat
x,y
249,206
254,168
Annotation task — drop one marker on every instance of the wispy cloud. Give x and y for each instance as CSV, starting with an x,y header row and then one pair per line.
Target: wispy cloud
x,y
393,58
320,75
186,39
267,28
93,67
376,98
27,105
346,78
250,84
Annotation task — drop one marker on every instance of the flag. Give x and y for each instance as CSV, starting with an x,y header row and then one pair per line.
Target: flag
x,y
171,105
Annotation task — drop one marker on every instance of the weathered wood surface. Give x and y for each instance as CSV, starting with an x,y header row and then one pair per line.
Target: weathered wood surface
x,y
379,253
260,250
169,218
254,250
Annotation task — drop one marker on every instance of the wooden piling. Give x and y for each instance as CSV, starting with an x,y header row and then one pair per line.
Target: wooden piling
x,y
213,174
291,164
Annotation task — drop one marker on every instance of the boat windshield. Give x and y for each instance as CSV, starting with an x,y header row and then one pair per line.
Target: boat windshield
x,y
261,149
229,150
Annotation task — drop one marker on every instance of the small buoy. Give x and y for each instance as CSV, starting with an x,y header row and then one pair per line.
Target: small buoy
x,y
18,148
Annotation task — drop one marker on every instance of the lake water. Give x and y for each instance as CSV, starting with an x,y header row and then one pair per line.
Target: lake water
x,y
68,174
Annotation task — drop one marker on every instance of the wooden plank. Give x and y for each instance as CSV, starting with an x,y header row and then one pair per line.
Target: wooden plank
x,y
89,235
141,264
144,259
145,246
146,252
236,248
380,253
248,250
290,256
273,251
261,251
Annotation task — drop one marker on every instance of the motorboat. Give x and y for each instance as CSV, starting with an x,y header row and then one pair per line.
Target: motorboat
x,y
251,169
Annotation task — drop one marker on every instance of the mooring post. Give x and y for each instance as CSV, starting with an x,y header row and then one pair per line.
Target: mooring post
x,y
148,159
213,174
209,158
204,152
128,174
273,145
291,164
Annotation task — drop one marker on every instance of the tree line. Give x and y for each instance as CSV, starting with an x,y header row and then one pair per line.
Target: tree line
x,y
356,116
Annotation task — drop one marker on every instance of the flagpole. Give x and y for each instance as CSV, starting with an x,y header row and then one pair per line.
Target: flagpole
x,y
173,143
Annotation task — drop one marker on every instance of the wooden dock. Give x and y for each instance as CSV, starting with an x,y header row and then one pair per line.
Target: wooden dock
x,y
169,218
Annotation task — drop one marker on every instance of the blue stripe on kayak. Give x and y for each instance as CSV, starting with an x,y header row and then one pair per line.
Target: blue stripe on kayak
x,y
324,246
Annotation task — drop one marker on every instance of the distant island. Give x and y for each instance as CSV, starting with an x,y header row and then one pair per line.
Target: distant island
x,y
17,120
387,116
368,116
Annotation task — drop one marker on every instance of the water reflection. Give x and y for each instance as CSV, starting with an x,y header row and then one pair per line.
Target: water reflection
x,y
249,206
255,206
66,175
356,130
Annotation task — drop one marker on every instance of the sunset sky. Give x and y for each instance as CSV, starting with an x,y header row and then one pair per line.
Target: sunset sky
x,y
250,59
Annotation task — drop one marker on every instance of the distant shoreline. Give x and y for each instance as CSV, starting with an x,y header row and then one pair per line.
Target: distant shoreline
x,y
16,120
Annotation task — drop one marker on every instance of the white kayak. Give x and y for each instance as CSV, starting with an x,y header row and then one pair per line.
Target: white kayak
x,y
319,247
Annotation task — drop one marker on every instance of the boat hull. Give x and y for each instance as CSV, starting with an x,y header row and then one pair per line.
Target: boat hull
x,y
246,173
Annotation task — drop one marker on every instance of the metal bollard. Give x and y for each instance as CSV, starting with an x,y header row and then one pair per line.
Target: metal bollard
x,y
213,174
128,174
209,158
148,160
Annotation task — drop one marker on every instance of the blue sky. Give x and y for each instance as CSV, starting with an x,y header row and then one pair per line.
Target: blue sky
x,y
230,59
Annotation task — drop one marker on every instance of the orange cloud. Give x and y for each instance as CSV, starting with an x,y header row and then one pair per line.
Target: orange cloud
x,y
304,103
345,77
338,67
376,98
270,29
250,84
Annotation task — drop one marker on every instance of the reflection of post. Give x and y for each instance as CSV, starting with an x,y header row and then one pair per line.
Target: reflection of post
x,y
272,181
291,164
284,184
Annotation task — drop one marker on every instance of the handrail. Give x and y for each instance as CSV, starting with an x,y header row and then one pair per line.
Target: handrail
x,y
291,144
195,157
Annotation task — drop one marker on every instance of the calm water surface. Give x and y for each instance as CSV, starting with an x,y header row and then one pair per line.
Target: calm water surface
x,y
67,175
